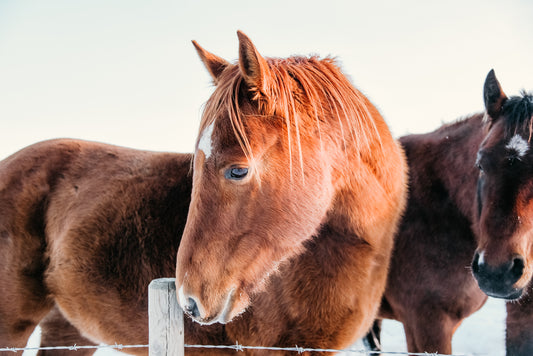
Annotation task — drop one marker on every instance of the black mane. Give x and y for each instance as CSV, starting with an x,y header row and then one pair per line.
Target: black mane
x,y
518,113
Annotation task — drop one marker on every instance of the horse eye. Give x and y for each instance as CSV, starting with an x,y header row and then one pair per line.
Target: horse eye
x,y
236,173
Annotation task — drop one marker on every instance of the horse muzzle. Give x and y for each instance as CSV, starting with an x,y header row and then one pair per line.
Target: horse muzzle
x,y
201,313
499,281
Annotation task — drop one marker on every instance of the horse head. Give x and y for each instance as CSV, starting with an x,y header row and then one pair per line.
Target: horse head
x,y
503,263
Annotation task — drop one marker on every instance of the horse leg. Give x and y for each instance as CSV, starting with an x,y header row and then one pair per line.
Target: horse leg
x,y
24,299
410,338
57,331
519,334
18,321
432,338
372,340
20,312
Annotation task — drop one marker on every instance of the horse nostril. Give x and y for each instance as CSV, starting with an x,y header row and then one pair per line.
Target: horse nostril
x,y
191,308
517,267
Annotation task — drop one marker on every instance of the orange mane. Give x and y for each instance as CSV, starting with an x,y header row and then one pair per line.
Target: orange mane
x,y
315,85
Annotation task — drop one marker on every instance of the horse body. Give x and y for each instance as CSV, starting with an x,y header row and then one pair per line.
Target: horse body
x,y
302,186
86,227
430,287
457,213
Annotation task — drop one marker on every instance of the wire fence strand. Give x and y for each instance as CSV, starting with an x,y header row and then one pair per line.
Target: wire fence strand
x,y
72,348
237,347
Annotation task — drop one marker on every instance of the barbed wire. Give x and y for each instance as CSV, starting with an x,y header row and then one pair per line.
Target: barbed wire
x,y
72,348
301,350
236,347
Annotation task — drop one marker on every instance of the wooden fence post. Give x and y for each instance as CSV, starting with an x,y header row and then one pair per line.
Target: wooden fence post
x,y
165,319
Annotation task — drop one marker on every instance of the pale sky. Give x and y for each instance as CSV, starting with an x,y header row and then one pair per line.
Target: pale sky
x,y
125,71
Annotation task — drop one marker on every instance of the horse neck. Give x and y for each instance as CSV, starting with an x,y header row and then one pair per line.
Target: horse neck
x,y
369,187
445,159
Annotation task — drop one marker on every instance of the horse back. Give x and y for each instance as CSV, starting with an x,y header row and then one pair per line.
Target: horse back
x,y
62,196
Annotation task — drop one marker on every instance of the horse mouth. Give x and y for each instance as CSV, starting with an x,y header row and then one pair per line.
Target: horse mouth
x,y
500,291
224,315
514,294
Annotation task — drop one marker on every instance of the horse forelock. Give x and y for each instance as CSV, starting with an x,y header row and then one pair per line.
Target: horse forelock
x,y
518,115
225,102
307,93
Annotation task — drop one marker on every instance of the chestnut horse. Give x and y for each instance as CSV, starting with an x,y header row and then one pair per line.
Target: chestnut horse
x,y
84,228
455,210
298,187
304,193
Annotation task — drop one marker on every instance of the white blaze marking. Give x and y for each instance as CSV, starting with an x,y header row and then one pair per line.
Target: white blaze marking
x,y
205,144
519,145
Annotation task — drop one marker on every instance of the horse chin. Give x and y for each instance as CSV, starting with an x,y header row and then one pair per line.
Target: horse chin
x,y
512,295
236,303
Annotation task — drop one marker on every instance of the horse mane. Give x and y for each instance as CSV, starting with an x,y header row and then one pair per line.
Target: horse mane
x,y
296,84
518,114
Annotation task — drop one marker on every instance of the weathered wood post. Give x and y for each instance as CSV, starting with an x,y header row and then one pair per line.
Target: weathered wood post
x,y
165,319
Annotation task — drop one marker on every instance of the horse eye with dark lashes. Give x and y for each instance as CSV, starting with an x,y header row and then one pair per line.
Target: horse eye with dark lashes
x,y
236,173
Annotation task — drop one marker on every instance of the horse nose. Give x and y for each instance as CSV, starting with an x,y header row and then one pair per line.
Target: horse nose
x,y
188,304
510,271
498,281
516,269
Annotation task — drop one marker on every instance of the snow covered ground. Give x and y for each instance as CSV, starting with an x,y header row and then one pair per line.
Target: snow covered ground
x,y
481,334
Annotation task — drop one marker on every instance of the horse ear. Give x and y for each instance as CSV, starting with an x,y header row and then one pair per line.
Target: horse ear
x,y
214,64
493,96
254,67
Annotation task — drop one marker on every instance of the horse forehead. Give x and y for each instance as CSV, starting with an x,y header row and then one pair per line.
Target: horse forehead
x,y
205,144
518,144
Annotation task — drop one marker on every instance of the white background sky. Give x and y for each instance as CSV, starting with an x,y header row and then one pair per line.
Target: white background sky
x,y
125,72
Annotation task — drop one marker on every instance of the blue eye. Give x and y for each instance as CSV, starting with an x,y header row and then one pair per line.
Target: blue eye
x,y
236,173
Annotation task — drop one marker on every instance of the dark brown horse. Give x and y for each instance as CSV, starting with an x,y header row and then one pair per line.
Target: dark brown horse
x,y
298,186
455,210
294,208
503,220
